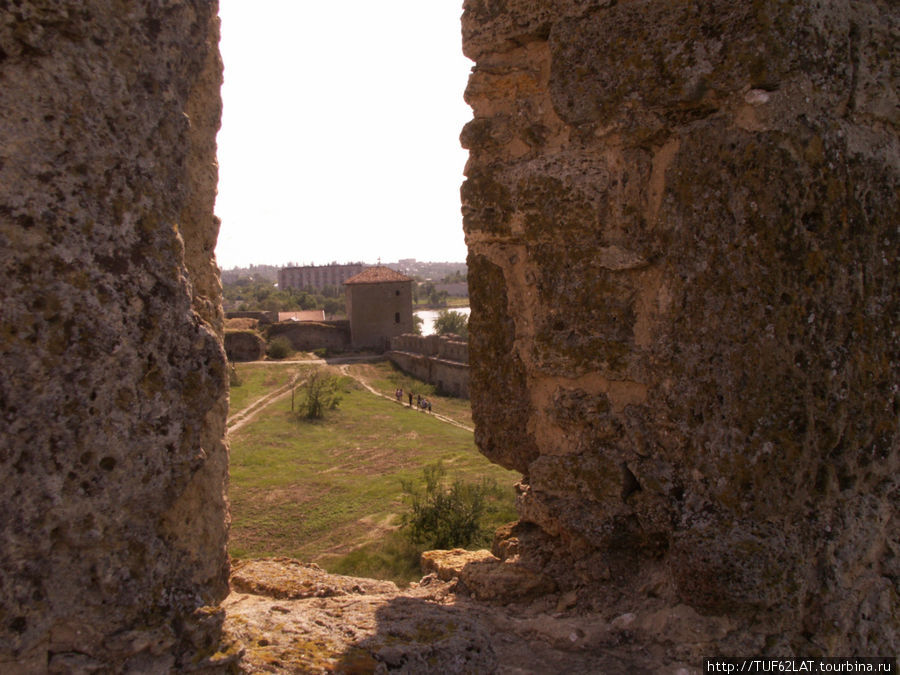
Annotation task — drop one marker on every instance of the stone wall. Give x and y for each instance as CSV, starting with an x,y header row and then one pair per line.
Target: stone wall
x,y
435,359
113,385
334,335
262,317
451,348
244,345
683,253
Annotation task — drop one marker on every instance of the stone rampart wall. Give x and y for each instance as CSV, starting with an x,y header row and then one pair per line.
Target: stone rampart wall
x,y
308,335
262,317
450,377
244,345
449,348
683,244
113,385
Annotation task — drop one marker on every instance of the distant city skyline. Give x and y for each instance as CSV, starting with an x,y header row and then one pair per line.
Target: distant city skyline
x,y
340,132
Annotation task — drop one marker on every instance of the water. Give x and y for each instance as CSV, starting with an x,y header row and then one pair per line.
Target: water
x,y
429,315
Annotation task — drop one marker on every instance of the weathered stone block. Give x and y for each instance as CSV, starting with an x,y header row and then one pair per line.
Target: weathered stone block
x,y
682,226
113,385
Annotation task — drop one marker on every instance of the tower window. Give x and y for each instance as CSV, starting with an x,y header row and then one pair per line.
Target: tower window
x,y
396,317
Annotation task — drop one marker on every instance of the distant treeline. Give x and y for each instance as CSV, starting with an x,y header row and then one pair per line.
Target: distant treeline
x,y
255,288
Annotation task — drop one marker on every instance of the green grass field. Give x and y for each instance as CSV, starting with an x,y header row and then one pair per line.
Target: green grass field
x,y
385,378
318,491
258,379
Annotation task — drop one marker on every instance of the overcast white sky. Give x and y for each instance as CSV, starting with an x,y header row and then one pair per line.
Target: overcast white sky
x,y
340,131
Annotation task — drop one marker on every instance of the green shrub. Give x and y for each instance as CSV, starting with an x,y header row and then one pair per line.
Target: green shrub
x,y
449,322
321,352
448,517
234,379
318,393
280,347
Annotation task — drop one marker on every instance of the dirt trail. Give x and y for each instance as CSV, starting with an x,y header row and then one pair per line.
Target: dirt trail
x,y
242,417
440,417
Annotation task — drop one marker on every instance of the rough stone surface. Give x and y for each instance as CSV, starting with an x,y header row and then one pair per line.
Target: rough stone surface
x,y
112,375
486,577
244,345
683,253
285,616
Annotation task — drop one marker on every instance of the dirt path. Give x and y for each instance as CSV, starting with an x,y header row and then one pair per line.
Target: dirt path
x,y
245,415
365,384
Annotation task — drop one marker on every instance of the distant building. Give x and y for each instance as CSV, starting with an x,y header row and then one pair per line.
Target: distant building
x,y
379,306
317,276
303,315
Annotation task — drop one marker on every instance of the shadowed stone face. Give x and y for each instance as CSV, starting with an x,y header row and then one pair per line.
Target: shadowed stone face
x,y
113,379
683,249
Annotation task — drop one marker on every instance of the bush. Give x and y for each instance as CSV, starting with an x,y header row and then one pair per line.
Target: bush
x,y
280,347
234,379
318,393
443,517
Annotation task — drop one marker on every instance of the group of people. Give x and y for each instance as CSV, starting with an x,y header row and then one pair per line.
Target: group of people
x,y
421,402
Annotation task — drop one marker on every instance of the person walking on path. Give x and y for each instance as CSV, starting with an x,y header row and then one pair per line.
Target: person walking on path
x,y
410,399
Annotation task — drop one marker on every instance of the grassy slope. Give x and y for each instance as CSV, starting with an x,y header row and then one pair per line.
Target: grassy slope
x,y
256,380
384,377
311,490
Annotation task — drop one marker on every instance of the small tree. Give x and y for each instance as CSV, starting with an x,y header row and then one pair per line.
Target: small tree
x,y
448,321
280,347
318,393
333,307
446,517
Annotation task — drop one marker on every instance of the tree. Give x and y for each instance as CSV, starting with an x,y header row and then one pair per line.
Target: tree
x,y
318,393
446,517
448,321
280,347
417,324
333,307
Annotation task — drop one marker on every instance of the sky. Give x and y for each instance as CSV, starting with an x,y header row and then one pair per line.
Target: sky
x,y
340,131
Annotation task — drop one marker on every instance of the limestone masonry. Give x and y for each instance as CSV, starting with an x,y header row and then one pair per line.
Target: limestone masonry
x,y
379,307
437,359
112,375
683,268
682,220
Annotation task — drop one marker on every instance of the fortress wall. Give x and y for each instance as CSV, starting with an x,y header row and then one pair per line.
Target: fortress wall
x,y
683,252
113,386
312,335
450,377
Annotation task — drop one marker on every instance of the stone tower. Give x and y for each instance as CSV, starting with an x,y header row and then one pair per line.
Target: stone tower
x,y
379,306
